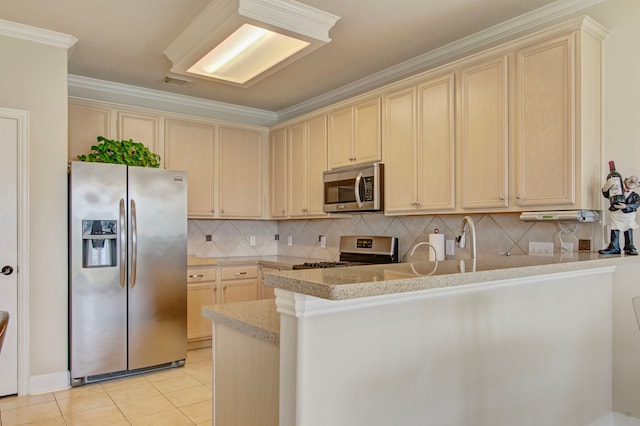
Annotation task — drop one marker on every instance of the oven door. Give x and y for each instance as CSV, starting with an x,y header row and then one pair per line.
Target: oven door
x,y
353,190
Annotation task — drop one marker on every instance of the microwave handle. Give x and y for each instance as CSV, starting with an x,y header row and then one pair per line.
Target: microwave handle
x,y
357,189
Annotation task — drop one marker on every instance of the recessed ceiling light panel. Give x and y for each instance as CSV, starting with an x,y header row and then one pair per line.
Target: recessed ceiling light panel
x,y
246,53
242,41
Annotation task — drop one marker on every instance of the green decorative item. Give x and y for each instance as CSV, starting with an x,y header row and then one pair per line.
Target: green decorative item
x,y
121,152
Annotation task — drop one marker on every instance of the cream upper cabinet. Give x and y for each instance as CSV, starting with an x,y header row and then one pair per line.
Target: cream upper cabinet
x,y
419,147
557,122
190,146
483,118
142,128
307,158
240,173
354,134
86,123
278,163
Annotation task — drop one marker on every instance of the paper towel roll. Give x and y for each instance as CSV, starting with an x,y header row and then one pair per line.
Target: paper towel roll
x,y
437,241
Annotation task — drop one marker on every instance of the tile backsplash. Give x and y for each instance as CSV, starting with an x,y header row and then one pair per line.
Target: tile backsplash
x,y
503,232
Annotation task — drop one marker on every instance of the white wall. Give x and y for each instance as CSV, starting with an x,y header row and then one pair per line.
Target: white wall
x,y
33,77
517,352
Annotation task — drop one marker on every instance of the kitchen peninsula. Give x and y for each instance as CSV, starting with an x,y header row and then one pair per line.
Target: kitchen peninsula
x,y
522,340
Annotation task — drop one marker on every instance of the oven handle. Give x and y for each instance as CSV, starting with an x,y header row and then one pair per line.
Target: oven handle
x,y
357,189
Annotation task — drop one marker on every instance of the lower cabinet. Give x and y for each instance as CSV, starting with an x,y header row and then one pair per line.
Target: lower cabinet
x,y
201,291
266,292
239,283
204,288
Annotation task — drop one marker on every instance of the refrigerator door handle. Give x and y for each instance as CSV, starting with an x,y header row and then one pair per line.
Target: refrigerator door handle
x,y
134,243
123,245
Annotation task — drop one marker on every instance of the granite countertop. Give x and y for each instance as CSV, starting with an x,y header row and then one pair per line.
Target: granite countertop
x,y
256,318
280,262
375,280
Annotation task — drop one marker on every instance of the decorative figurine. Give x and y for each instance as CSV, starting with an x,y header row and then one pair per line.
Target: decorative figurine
x,y
623,217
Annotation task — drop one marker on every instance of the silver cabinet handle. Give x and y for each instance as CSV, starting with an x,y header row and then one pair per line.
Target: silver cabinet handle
x,y
239,273
134,244
197,276
123,245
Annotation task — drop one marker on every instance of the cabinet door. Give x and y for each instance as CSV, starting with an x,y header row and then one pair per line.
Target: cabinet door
x,y
266,292
278,158
436,144
367,146
484,134
297,194
199,295
239,290
316,159
545,139
401,159
340,143
240,173
144,129
190,147
85,125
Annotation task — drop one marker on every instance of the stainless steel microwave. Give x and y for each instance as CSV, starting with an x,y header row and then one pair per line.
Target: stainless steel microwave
x,y
354,189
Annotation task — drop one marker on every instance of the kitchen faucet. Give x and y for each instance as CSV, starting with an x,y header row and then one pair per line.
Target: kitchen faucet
x,y
463,236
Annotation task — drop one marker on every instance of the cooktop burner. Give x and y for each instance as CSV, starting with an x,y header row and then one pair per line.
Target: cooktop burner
x,y
360,250
316,265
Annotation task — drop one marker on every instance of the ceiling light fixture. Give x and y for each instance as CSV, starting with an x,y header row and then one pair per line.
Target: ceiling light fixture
x,y
242,41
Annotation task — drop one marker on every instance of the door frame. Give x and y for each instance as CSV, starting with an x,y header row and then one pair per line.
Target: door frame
x,y
22,178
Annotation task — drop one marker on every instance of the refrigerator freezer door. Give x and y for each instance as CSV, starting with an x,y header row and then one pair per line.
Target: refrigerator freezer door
x,y
158,264
97,301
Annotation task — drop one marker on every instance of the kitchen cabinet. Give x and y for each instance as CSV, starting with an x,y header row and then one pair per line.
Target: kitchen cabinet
x,y
419,142
354,134
86,123
190,146
557,122
201,291
225,173
307,159
240,176
239,283
483,135
278,163
266,292
142,128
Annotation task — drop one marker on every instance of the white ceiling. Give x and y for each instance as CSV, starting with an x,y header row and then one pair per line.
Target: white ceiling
x,y
123,41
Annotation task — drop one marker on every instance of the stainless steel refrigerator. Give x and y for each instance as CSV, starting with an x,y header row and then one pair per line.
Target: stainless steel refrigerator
x,y
127,270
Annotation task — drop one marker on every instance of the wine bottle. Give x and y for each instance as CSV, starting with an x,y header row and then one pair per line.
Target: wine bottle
x,y
616,190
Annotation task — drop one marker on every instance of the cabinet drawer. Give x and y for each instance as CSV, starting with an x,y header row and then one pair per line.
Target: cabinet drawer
x,y
205,274
239,272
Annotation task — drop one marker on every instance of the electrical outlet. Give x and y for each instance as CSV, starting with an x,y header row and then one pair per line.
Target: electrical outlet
x,y
567,248
584,245
450,248
252,240
323,241
540,249
207,237
290,240
276,237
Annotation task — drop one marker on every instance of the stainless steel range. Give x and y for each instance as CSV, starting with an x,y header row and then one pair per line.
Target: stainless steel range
x,y
360,250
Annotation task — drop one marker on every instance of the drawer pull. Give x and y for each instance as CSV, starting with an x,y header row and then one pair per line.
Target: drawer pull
x,y
239,273
197,276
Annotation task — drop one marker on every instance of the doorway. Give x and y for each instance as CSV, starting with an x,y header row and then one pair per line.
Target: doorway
x,y
13,140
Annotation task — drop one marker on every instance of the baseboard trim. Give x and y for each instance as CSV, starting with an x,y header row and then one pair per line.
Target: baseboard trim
x,y
49,382
616,419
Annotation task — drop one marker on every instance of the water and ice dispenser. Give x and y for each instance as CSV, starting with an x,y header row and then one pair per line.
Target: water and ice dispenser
x,y
99,243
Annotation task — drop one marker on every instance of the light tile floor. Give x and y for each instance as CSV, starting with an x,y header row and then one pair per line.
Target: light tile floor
x,y
178,396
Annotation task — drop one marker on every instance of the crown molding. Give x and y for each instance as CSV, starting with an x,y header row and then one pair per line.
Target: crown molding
x,y
107,91
464,46
38,35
